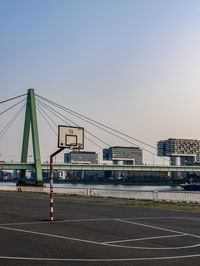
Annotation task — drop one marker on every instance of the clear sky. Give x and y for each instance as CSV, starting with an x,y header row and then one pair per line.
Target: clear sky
x,y
131,64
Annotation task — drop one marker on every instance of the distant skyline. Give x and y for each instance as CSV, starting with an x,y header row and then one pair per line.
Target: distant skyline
x,y
132,65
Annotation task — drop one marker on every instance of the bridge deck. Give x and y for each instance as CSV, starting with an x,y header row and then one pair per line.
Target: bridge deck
x,y
102,167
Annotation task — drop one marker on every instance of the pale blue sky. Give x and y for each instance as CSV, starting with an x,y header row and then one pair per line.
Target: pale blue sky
x,y
134,65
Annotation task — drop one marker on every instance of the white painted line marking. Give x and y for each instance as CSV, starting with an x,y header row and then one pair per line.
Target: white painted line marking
x,y
163,217
49,235
144,238
63,221
99,219
151,226
94,242
158,228
101,260
152,248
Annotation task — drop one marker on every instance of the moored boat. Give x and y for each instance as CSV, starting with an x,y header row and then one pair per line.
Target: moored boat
x,y
191,187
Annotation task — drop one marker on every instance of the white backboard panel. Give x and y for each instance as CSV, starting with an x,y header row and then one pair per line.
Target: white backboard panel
x,y
70,137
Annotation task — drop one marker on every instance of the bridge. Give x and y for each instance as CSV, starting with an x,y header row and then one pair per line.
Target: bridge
x,y
100,167
34,102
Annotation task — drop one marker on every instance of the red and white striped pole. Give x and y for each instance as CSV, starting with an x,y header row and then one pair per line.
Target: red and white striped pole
x,y
51,188
51,182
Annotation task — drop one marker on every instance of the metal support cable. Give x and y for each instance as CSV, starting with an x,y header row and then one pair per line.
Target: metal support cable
x,y
41,109
113,134
61,118
47,121
78,116
48,108
94,121
82,118
12,106
69,124
164,159
12,98
76,124
9,124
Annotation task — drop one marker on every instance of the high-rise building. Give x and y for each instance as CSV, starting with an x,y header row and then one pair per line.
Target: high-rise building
x,y
129,155
180,151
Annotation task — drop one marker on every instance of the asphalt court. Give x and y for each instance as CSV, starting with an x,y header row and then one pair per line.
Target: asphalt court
x,y
94,234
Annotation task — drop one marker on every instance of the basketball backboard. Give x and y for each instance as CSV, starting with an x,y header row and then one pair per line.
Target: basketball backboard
x,y
70,137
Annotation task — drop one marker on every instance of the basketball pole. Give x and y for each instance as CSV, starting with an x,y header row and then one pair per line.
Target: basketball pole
x,y
51,182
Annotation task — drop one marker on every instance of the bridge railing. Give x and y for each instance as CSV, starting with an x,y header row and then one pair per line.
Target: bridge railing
x,y
100,167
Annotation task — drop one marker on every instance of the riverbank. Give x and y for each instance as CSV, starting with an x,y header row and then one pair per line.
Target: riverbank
x,y
155,196
144,187
164,205
131,203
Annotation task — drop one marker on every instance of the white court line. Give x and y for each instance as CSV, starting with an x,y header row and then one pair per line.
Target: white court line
x,y
163,217
61,221
158,228
50,235
144,238
99,243
82,220
154,227
101,219
102,260
152,248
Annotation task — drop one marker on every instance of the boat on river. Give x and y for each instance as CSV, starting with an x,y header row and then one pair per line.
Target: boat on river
x,y
191,187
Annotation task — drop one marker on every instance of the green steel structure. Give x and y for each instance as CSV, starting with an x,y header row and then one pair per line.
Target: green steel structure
x,y
31,120
100,167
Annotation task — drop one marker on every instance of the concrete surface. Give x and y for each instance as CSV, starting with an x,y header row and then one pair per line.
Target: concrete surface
x,y
94,234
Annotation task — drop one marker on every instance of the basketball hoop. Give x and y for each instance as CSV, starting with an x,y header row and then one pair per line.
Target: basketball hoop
x,y
70,137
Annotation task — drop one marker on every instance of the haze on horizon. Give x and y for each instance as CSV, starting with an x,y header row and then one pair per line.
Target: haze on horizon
x,y
133,65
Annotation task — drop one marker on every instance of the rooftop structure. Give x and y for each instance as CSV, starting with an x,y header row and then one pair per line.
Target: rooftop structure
x,y
81,157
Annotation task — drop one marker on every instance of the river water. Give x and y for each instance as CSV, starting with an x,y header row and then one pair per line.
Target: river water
x,y
117,187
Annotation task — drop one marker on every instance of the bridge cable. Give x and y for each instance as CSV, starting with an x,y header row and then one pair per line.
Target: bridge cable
x,y
13,119
39,105
100,147
77,125
61,118
13,98
108,131
89,139
92,120
93,125
82,118
12,106
39,109
50,109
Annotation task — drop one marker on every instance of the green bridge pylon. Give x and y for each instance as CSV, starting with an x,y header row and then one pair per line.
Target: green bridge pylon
x,y
31,119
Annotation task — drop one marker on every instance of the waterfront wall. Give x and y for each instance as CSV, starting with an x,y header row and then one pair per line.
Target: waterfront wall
x,y
175,196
